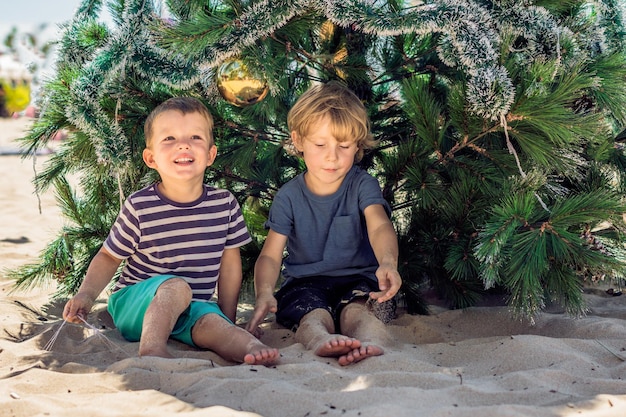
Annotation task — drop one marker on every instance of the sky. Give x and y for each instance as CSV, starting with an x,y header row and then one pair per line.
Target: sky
x,y
37,11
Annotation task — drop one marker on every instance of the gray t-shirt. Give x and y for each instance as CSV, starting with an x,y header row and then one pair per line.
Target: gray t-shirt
x,y
327,235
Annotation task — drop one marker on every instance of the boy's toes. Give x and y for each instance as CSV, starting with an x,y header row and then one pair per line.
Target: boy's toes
x,y
263,357
357,355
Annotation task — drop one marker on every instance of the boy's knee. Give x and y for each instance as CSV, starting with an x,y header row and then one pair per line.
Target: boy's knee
x,y
357,305
178,286
354,311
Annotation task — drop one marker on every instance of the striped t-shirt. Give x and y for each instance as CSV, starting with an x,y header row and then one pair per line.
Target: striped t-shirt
x,y
157,236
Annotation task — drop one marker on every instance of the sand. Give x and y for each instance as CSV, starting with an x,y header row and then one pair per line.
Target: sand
x,y
473,362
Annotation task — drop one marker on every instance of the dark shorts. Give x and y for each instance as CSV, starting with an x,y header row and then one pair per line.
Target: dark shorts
x,y
303,295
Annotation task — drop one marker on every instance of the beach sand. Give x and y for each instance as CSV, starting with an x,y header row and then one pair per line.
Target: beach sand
x,y
473,362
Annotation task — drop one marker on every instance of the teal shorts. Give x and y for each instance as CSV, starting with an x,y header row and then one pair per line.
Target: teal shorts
x,y
128,306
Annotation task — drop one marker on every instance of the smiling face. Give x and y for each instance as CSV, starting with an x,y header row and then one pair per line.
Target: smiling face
x,y
327,159
180,148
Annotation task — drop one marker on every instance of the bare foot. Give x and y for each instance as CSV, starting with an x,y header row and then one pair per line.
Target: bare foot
x,y
261,355
334,345
360,353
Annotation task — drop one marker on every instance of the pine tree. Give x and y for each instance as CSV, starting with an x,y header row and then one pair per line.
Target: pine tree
x,y
499,125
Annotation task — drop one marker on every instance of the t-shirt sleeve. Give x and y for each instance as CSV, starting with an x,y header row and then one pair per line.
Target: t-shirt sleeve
x,y
370,193
238,234
124,237
280,218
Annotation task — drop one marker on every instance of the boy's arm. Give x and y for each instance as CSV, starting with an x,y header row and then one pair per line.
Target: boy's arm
x,y
266,272
229,282
384,242
100,272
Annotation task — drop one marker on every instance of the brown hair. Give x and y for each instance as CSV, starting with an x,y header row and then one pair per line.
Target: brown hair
x,y
185,105
348,116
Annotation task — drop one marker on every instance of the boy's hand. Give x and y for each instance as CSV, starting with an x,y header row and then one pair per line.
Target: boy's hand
x,y
79,306
389,282
264,304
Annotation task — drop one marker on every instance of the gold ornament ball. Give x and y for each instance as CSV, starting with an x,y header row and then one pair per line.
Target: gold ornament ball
x,y
238,85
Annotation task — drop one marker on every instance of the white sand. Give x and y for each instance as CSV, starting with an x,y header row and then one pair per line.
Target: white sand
x,y
474,362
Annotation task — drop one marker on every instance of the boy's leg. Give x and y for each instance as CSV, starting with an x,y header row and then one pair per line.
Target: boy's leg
x,y
358,321
170,301
231,342
317,333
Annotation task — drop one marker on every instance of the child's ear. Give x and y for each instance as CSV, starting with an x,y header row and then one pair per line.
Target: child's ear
x,y
296,141
212,155
148,158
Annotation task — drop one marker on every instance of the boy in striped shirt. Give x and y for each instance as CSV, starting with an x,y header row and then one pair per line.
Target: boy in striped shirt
x,y
180,240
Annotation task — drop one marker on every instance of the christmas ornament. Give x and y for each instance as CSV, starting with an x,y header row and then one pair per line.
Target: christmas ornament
x,y
14,86
238,85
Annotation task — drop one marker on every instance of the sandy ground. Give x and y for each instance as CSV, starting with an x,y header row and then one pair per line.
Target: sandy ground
x,y
476,361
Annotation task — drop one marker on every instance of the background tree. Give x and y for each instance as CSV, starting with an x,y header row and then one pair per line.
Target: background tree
x,y
499,125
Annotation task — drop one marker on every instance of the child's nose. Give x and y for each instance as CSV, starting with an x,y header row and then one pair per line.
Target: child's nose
x,y
331,155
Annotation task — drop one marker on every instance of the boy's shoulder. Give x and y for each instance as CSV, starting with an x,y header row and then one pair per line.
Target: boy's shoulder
x,y
217,193
294,182
358,172
148,192
357,177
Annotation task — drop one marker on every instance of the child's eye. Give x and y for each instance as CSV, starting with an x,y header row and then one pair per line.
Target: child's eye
x,y
196,137
169,138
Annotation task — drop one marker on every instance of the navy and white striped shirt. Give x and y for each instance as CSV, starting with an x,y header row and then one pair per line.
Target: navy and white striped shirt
x,y
158,236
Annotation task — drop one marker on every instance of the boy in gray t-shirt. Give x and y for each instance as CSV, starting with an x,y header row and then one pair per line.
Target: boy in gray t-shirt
x,y
333,220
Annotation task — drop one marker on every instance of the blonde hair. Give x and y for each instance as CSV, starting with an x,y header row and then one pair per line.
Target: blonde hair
x,y
348,116
185,105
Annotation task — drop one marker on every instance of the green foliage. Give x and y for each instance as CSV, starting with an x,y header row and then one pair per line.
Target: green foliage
x,y
500,127
537,254
66,258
